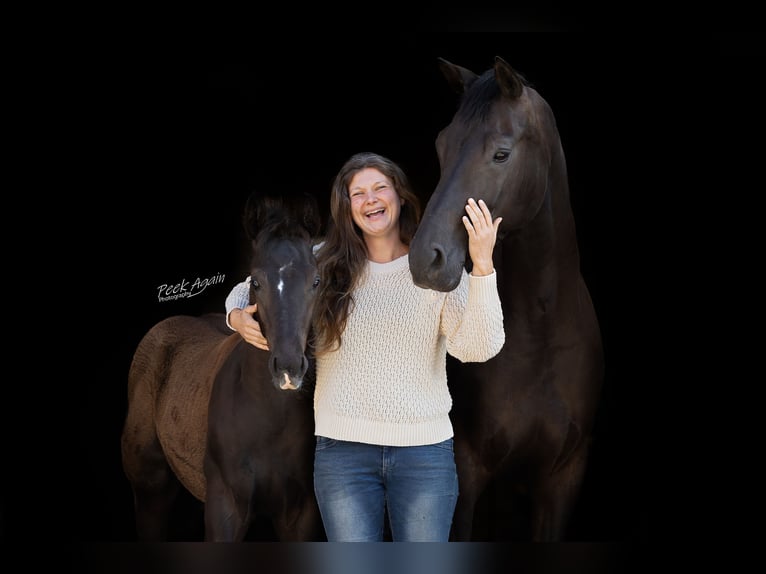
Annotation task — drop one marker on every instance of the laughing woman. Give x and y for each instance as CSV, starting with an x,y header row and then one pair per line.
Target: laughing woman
x,y
381,403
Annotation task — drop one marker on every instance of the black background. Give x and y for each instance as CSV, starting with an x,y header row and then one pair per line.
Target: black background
x,y
196,135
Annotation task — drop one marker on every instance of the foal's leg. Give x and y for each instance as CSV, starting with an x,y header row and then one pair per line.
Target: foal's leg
x,y
153,506
227,516
300,522
154,484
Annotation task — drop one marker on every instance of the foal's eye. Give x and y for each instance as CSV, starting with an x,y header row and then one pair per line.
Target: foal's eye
x,y
316,281
501,156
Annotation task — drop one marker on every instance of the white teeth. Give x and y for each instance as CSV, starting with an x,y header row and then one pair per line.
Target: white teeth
x,y
374,212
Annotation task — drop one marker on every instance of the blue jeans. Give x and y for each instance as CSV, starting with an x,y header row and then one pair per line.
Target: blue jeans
x,y
356,483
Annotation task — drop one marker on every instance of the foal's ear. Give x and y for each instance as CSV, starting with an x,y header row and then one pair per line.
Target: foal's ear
x,y
458,78
252,216
262,208
509,81
310,217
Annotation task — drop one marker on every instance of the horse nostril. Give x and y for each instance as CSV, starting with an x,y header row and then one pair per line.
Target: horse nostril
x,y
439,259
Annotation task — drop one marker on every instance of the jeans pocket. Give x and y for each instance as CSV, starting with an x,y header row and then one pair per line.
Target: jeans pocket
x,y
446,444
323,442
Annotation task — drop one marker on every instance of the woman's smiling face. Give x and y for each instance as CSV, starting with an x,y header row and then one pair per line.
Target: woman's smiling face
x,y
375,204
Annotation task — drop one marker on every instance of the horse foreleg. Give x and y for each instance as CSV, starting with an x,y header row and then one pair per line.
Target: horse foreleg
x,y
472,481
301,523
227,517
554,499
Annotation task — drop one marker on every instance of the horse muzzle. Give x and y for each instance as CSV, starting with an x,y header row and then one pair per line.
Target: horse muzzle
x,y
288,383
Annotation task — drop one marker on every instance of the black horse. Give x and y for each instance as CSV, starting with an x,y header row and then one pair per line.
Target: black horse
x,y
524,417
229,422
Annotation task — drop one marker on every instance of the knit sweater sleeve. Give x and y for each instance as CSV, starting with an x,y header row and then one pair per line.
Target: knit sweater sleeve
x,y
238,298
472,319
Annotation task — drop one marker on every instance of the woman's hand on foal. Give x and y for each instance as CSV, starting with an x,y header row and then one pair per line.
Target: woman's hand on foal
x,y
242,320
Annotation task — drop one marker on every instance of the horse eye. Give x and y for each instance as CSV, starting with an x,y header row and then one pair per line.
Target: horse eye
x,y
501,156
254,284
316,281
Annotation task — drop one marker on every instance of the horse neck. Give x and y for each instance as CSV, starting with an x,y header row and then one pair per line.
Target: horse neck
x,y
541,261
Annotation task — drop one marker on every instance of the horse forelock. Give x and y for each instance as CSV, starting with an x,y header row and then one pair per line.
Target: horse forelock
x,y
281,216
477,101
282,224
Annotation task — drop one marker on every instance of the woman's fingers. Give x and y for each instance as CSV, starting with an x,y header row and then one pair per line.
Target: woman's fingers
x,y
478,214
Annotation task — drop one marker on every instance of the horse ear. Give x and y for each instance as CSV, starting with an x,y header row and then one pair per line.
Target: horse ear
x,y
259,208
310,216
250,217
458,78
509,81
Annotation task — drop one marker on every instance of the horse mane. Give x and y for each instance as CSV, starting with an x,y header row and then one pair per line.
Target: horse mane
x,y
281,215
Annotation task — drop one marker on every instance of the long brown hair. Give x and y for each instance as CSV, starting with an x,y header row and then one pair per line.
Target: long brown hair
x,y
343,256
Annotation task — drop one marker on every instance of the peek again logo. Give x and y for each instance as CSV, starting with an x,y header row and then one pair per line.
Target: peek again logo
x,y
186,289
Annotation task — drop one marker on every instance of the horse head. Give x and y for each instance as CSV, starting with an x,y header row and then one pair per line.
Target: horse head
x,y
284,280
498,147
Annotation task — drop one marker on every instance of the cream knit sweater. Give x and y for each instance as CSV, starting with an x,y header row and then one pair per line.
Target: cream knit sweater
x,y
387,384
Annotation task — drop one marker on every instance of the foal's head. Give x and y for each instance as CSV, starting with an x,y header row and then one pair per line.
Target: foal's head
x,y
283,279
